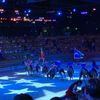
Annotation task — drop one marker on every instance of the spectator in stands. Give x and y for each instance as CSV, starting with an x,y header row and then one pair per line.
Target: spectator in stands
x,y
93,88
93,44
83,94
91,91
23,97
72,92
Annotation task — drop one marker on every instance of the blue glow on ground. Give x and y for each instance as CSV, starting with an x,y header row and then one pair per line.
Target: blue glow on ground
x,y
39,87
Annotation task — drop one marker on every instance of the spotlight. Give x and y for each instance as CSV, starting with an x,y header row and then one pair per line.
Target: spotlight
x,y
59,13
25,11
3,1
84,13
17,12
27,15
74,10
94,9
29,10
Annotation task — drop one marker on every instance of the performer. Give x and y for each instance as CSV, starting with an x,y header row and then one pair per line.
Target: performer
x,y
28,63
84,72
94,70
52,71
61,72
70,71
60,69
93,73
94,65
42,57
44,69
58,64
99,75
37,68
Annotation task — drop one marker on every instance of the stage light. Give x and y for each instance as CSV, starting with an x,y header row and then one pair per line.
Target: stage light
x,y
67,27
84,13
27,14
17,12
59,13
1,10
71,13
76,28
74,10
94,9
29,11
25,11
3,1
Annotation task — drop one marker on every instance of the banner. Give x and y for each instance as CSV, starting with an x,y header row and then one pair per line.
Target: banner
x,y
78,54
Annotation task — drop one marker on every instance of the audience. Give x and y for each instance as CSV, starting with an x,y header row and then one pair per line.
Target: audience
x,y
72,92
91,91
23,97
56,98
94,88
16,47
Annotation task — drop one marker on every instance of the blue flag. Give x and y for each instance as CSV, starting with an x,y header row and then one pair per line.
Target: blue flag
x,y
78,54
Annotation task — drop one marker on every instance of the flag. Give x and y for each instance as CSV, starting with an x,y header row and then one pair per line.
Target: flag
x,y
78,54
42,54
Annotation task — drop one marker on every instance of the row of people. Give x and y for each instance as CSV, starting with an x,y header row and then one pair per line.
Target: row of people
x,y
55,68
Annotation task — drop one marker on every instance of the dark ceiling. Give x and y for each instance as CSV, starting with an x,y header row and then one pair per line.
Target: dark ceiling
x,y
50,4
53,3
67,2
